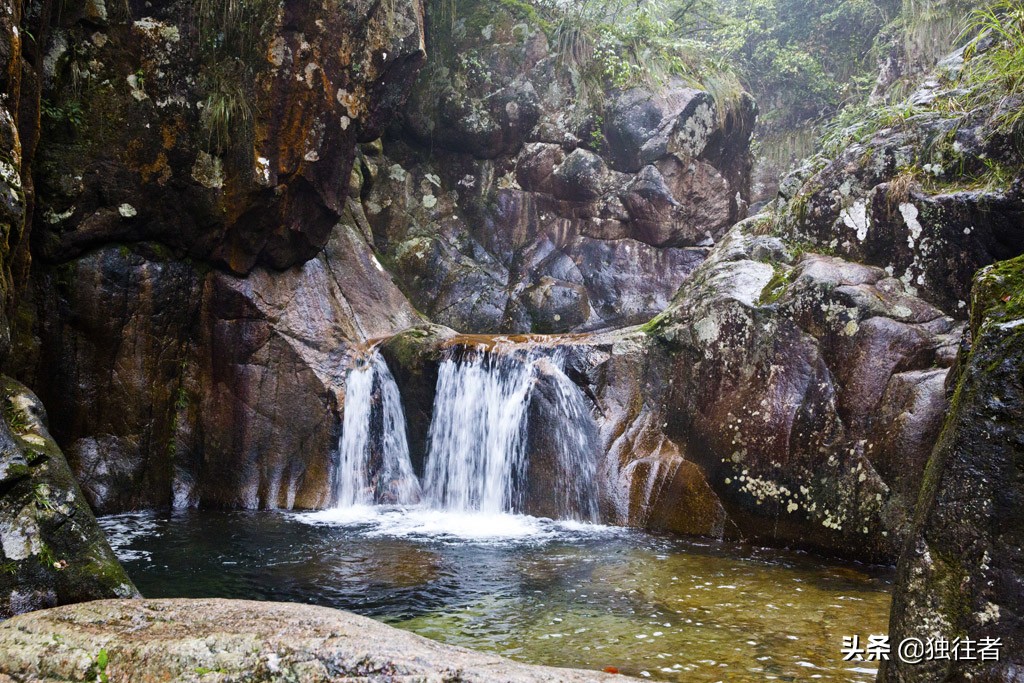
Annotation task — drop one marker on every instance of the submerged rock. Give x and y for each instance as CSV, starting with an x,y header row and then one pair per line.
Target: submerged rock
x,y
961,573
52,551
236,640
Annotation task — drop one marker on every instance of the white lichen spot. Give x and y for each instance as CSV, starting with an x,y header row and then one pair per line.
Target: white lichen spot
x,y
397,173
901,311
345,122
910,213
850,329
127,211
308,74
312,155
277,51
856,218
707,330
53,218
433,179
138,92
263,170
208,171
988,615
429,201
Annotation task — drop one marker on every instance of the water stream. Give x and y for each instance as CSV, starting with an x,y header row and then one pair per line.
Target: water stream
x,y
480,457
539,591
373,452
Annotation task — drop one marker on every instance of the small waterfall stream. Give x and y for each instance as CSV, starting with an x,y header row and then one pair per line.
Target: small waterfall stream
x,y
482,455
373,463
478,432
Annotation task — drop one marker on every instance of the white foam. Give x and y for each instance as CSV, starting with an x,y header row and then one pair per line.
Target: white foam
x,y
122,530
431,524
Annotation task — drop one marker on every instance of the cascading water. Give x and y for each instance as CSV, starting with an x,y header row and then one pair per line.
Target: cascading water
x,y
373,464
478,432
478,455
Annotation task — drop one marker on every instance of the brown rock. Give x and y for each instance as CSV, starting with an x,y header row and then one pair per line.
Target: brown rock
x,y
146,641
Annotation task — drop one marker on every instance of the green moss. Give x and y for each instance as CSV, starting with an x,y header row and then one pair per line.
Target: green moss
x,y
998,294
655,324
777,285
98,670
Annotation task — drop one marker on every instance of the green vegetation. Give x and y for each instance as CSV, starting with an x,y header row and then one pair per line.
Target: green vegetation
x,y
67,114
600,44
777,285
996,75
15,418
98,670
231,44
991,83
999,292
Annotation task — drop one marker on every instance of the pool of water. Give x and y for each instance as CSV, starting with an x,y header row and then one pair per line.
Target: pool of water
x,y
563,594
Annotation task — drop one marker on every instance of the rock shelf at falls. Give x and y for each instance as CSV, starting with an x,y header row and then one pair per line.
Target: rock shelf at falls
x,y
477,457
675,337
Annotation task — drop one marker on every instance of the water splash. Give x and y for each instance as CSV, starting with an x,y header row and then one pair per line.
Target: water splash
x,y
481,451
373,452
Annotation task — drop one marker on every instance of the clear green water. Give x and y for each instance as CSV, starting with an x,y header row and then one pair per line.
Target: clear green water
x,y
533,590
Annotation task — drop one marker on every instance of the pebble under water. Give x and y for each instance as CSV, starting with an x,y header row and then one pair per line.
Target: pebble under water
x,y
538,591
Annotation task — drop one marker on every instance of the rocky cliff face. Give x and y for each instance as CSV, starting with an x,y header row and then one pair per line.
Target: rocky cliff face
x,y
220,133
962,569
505,201
215,230
929,195
176,182
51,549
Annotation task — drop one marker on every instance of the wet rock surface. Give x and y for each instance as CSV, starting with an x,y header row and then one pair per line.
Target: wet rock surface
x,y
52,551
961,572
158,134
503,204
234,640
780,363
184,385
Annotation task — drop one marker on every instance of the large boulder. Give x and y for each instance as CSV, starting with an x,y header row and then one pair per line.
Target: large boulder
x,y
145,641
52,551
962,571
782,364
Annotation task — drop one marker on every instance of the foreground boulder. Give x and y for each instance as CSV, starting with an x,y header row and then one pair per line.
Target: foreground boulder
x,y
236,640
962,572
52,552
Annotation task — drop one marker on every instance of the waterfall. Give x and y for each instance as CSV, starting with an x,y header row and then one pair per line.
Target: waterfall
x,y
478,432
373,452
479,445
